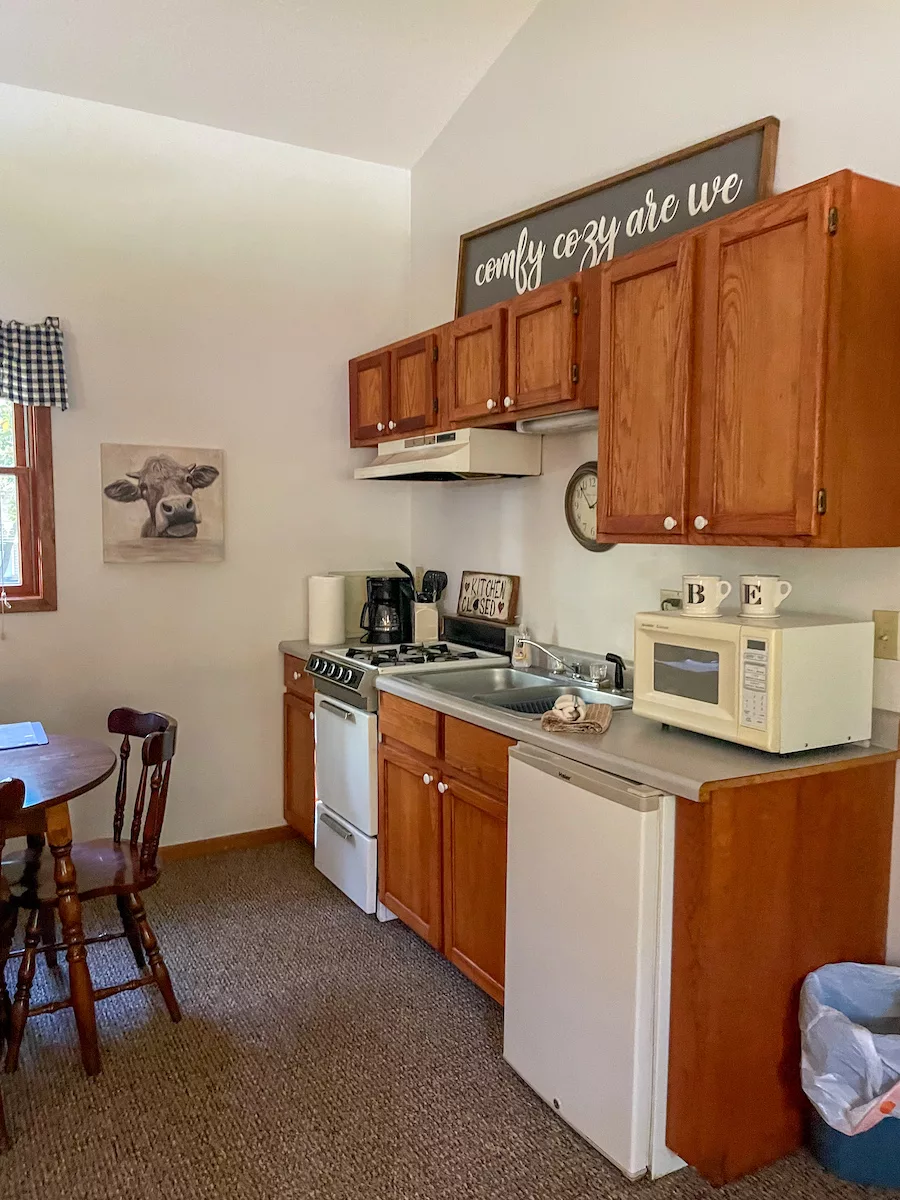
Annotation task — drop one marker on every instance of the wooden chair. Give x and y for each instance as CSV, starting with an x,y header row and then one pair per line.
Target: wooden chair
x,y
102,868
12,797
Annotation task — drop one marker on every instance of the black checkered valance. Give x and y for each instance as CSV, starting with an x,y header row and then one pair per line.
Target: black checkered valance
x,y
32,366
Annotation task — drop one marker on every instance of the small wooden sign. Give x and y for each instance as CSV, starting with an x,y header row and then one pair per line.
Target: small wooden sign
x,y
604,220
489,597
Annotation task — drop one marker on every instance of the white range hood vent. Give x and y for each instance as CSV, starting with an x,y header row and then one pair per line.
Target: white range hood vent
x,y
571,422
458,454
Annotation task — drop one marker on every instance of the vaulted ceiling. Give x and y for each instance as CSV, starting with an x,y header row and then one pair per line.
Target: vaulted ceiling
x,y
373,79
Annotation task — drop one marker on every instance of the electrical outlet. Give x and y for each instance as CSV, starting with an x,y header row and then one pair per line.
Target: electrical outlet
x,y
886,633
673,597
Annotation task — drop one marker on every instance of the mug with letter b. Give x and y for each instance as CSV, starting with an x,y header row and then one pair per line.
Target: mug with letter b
x,y
762,594
701,595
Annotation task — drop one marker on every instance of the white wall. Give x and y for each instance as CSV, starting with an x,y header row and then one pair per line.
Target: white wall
x,y
212,287
587,89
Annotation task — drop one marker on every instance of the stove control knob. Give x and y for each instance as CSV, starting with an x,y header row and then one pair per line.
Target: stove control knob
x,y
313,664
343,674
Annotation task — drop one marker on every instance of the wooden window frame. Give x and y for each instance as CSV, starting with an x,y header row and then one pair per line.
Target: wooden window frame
x,y
37,523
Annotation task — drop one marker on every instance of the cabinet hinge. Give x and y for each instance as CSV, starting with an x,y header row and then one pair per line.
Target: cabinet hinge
x,y
576,306
574,372
434,406
821,501
434,354
832,221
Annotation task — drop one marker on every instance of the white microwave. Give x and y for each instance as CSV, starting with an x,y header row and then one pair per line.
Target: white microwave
x,y
787,683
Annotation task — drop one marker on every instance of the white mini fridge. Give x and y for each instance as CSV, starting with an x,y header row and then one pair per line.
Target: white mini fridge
x,y
588,952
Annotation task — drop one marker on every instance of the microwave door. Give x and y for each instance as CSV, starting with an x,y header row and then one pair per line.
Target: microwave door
x,y
690,679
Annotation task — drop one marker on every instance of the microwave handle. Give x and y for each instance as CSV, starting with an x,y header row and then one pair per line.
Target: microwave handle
x,y
619,663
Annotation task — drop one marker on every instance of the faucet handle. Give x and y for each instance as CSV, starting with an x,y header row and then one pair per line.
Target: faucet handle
x,y
599,673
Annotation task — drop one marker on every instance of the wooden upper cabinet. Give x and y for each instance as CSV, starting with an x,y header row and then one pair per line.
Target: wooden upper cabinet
x,y
477,365
370,397
409,844
645,348
541,347
414,399
761,363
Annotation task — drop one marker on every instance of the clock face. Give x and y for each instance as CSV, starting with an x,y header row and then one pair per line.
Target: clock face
x,y
581,508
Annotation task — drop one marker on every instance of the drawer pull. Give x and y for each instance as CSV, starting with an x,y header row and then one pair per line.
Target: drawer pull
x,y
335,827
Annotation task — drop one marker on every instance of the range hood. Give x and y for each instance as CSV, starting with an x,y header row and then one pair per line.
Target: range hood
x,y
458,454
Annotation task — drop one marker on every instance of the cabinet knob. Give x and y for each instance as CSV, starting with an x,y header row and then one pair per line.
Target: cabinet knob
x,y
312,716
392,424
700,522
443,787
296,676
380,426
426,778
508,402
669,523
491,403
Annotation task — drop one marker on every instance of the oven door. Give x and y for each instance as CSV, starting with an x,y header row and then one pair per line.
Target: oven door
x,y
688,677
347,762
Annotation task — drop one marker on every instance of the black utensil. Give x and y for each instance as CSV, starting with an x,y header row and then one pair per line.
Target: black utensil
x,y
433,584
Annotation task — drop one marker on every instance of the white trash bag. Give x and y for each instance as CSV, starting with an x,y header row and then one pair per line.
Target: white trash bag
x,y
850,1028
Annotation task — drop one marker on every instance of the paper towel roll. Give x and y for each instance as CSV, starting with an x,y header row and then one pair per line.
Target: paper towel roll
x,y
326,610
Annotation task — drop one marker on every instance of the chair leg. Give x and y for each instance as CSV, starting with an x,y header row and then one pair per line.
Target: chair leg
x,y
131,932
48,937
22,1001
8,921
151,948
4,1136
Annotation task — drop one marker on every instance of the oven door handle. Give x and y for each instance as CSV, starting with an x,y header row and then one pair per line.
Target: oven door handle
x,y
335,827
341,712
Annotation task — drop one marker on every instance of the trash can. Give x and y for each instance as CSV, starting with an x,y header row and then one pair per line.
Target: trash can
x,y
850,1030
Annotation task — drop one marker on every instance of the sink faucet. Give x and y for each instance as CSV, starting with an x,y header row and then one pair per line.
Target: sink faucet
x,y
572,670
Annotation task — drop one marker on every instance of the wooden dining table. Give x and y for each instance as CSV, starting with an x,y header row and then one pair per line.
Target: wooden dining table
x,y
53,775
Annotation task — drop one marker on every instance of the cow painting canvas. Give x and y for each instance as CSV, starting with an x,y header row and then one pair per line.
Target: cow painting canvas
x,y
162,504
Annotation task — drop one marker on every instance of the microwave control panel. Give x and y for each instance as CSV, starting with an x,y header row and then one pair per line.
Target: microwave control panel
x,y
755,683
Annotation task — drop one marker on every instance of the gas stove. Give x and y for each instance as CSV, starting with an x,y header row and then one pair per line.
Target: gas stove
x,y
349,673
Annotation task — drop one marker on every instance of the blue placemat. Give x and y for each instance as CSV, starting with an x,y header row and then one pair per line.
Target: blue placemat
x,y
23,733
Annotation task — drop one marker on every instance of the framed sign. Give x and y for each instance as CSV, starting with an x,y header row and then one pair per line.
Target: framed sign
x,y
489,597
595,224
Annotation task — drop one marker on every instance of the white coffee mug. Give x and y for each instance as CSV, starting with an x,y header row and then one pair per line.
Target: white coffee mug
x,y
701,595
761,594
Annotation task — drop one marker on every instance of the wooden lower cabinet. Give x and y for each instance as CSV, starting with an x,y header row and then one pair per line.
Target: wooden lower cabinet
x,y
474,834
299,765
442,836
409,844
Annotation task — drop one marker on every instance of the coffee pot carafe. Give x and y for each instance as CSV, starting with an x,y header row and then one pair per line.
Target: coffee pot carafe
x,y
385,616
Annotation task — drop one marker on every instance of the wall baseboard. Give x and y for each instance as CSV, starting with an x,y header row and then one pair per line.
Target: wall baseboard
x,y
231,841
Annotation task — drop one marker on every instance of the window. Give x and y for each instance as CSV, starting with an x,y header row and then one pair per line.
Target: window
x,y
27,537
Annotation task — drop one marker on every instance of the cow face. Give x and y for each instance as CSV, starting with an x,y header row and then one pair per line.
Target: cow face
x,y
168,488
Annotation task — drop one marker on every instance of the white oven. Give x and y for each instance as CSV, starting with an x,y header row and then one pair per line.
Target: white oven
x,y
782,684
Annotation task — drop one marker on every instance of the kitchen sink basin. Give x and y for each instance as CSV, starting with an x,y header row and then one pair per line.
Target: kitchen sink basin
x,y
534,700
477,683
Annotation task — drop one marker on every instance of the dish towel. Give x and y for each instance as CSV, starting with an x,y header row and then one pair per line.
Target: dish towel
x,y
570,714
32,366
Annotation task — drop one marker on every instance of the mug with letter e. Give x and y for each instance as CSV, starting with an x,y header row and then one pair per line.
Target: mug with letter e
x,y
701,595
762,594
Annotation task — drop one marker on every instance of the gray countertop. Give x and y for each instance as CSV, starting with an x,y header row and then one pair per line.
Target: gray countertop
x,y
673,760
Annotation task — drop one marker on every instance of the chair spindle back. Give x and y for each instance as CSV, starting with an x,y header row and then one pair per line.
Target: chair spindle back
x,y
12,797
158,733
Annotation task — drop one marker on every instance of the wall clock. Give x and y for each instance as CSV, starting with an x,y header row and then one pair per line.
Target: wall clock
x,y
581,508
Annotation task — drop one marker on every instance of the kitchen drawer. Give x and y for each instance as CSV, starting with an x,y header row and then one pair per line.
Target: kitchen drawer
x,y
296,679
477,753
412,725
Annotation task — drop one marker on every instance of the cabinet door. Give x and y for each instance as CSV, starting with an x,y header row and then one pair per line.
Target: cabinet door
x,y
475,884
299,765
414,386
477,365
541,347
646,306
370,397
409,844
764,306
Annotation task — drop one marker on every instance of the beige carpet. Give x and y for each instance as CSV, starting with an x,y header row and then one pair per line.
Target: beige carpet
x,y
322,1055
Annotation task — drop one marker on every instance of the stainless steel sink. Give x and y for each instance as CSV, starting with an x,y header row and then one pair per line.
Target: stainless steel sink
x,y
473,683
533,701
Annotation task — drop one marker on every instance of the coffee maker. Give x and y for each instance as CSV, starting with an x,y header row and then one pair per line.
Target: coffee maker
x,y
386,616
